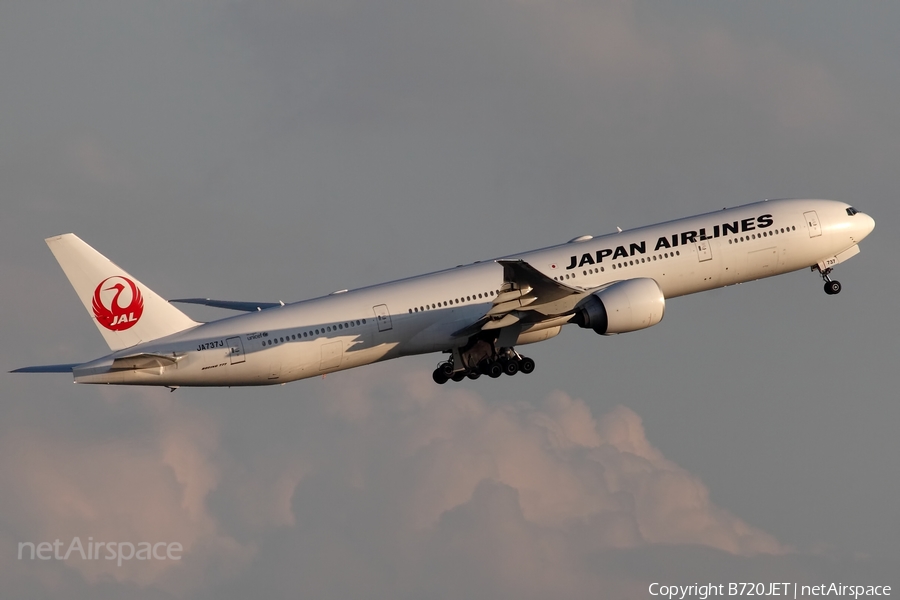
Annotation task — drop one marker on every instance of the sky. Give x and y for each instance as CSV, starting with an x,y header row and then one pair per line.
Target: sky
x,y
280,150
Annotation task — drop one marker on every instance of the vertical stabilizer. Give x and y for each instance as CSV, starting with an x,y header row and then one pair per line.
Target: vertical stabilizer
x,y
125,310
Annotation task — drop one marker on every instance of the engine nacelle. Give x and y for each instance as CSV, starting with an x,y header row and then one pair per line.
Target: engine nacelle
x,y
625,306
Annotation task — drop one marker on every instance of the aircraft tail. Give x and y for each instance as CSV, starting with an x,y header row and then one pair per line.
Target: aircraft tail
x,y
125,310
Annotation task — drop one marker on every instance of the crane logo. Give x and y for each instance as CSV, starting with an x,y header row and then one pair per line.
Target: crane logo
x,y
108,300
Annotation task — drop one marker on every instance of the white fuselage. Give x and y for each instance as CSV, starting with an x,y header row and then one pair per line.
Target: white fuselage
x,y
421,314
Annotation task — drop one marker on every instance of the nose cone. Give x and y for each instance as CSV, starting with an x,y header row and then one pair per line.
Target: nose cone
x,y
865,224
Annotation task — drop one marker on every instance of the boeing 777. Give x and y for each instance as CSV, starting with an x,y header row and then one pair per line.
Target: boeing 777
x,y
476,314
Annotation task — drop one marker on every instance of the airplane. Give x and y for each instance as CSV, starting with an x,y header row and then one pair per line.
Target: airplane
x,y
476,314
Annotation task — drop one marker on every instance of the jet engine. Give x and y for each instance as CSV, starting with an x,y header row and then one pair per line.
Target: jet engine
x,y
622,307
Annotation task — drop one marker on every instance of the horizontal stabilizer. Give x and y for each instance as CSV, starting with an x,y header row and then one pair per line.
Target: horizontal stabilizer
x,y
47,369
233,305
143,361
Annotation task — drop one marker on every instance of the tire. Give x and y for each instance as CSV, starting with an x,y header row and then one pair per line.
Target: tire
x,y
832,287
494,370
439,377
511,367
458,376
447,369
526,365
473,374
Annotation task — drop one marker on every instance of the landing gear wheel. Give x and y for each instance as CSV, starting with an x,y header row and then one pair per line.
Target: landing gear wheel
x,y
473,374
439,376
831,287
526,365
510,367
446,368
458,376
494,370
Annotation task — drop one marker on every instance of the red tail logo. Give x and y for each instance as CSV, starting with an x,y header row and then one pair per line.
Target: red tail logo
x,y
106,305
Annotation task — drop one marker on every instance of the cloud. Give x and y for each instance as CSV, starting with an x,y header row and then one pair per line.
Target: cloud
x,y
148,484
369,484
413,490
565,466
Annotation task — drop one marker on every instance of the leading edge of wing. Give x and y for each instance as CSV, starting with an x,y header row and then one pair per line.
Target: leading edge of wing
x,y
230,304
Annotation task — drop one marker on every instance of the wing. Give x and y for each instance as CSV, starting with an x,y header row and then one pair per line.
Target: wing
x,y
527,296
245,306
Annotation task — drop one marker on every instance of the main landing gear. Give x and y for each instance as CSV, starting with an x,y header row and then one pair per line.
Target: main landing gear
x,y
832,287
509,363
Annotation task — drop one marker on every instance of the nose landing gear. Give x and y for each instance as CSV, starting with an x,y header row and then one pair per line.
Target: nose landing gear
x,y
832,287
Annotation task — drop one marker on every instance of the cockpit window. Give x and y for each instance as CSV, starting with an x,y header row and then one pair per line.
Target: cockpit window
x,y
852,211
